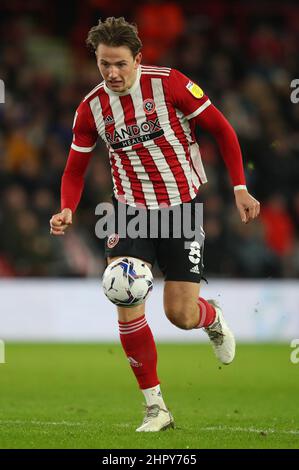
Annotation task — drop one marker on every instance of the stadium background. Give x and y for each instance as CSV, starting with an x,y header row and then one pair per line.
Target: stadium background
x,y
244,55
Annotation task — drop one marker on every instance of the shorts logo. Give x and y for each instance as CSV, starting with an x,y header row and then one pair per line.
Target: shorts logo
x,y
195,269
113,240
195,90
149,106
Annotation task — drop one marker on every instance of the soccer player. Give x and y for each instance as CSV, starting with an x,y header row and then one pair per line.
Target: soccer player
x,y
146,115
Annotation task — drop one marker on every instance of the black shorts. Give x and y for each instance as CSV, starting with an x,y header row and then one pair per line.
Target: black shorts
x,y
180,259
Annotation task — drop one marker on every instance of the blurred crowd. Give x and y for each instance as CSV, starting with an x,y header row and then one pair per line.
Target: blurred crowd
x,y
243,55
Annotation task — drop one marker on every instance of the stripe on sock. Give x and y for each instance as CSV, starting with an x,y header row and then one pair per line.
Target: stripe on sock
x,y
126,328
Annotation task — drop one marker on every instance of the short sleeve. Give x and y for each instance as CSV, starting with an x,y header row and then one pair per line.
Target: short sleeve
x,y
186,95
85,134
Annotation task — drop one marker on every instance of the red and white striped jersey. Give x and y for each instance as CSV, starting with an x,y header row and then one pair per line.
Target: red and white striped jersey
x,y
149,133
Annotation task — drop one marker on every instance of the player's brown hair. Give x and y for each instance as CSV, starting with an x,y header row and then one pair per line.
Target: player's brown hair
x,y
115,32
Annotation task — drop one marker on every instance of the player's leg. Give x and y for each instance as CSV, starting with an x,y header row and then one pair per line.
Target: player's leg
x,y
139,346
183,306
185,309
181,261
180,303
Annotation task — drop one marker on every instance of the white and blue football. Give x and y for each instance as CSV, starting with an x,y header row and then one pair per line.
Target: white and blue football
x,y
127,282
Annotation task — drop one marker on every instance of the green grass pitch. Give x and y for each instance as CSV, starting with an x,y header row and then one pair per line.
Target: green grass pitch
x,y
85,396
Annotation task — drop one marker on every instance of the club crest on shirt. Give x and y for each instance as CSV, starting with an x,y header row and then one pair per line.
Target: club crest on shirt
x,y
149,106
195,90
112,240
109,120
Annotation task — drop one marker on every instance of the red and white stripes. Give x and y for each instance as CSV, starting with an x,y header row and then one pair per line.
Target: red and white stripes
x,y
139,346
149,148
155,70
126,328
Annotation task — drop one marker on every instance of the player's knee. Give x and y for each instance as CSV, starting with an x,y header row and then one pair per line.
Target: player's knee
x,y
179,317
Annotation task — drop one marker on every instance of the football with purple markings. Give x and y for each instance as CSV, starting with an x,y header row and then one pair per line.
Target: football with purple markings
x,y
127,282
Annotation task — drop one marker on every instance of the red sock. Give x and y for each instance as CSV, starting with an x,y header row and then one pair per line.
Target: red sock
x,y
207,313
138,343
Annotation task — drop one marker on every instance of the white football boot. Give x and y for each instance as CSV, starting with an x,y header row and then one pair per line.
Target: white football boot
x,y
221,337
156,419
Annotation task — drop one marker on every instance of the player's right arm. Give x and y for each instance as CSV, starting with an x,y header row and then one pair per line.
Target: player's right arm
x,y
84,140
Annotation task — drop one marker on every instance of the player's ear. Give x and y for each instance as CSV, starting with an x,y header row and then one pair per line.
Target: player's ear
x,y
138,59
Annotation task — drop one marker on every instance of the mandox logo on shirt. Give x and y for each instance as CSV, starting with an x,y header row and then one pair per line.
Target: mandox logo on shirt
x,y
134,134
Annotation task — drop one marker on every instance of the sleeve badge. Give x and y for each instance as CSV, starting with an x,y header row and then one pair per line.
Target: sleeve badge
x,y
195,90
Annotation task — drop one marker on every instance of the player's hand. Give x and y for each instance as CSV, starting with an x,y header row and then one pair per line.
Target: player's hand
x,y
248,206
60,222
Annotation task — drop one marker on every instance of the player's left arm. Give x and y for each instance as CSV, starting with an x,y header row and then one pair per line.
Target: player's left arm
x,y
188,97
213,121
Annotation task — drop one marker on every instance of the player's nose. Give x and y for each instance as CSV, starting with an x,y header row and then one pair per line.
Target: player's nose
x,y
113,73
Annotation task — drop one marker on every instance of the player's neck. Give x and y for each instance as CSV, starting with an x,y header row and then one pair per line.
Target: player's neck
x,y
132,84
132,81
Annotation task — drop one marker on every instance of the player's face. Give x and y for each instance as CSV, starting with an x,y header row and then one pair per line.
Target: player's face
x,y
117,66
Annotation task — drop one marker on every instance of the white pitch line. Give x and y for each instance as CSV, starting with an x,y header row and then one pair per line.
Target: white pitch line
x,y
44,423
239,429
204,429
